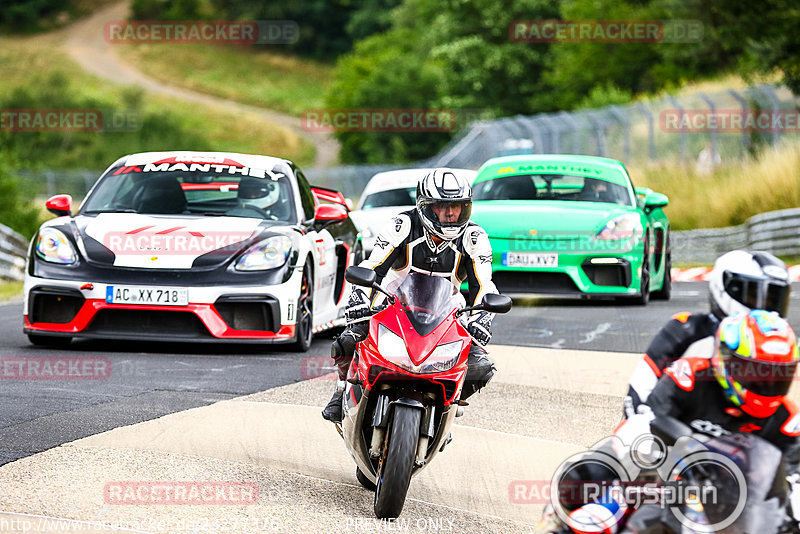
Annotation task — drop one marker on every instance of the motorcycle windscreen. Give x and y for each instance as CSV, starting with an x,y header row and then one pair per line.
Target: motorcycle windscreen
x,y
426,300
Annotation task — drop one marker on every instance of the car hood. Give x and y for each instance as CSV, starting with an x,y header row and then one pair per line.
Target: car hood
x,y
542,218
375,218
163,242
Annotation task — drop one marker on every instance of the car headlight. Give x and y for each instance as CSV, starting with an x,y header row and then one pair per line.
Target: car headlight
x,y
53,246
627,226
267,254
393,349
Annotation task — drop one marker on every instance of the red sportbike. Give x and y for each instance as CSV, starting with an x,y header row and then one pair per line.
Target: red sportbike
x,y
403,388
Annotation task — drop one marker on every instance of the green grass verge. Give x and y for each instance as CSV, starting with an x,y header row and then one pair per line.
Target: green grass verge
x,y
244,74
38,74
10,290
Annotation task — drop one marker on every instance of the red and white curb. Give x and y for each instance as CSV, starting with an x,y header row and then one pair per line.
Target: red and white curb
x,y
328,325
701,274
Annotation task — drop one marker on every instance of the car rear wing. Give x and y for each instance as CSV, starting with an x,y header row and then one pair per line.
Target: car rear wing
x,y
331,195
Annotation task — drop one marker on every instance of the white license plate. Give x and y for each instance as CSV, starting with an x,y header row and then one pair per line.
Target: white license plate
x,y
529,259
165,296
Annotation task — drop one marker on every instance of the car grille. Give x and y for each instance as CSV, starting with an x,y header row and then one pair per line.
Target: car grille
x,y
148,322
533,282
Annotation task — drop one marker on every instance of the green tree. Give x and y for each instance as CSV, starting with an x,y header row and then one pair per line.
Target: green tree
x,y
16,211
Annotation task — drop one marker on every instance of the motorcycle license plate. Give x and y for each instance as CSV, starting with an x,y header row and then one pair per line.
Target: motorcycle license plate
x,y
529,259
165,296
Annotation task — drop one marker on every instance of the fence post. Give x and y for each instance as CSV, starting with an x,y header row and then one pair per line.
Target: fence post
x,y
598,128
651,134
684,138
574,127
776,135
626,124
714,133
742,102
554,130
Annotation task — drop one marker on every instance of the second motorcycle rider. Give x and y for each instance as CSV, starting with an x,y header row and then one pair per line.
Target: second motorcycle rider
x,y
435,238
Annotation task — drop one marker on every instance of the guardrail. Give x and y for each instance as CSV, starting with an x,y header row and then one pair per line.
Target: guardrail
x,y
777,232
13,250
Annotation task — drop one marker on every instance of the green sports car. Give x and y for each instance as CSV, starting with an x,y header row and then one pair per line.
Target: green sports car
x,y
576,225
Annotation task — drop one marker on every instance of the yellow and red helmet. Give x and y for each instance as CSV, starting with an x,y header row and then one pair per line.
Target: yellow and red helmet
x,y
755,360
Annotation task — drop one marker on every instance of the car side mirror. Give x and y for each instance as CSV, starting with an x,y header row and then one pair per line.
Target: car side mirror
x,y
495,303
326,214
59,205
360,276
655,200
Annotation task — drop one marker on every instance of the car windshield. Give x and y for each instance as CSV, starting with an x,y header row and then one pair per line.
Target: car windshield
x,y
552,187
258,194
427,300
391,197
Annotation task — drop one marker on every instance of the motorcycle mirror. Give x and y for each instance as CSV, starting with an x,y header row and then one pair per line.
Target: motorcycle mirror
x,y
669,429
495,303
360,276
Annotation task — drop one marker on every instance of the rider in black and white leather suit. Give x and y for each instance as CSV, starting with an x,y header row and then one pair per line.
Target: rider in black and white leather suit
x,y
435,238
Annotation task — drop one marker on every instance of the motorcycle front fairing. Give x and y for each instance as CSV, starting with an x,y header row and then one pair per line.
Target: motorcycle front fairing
x,y
422,319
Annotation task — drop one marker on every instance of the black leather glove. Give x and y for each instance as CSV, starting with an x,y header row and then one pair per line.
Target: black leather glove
x,y
480,327
357,306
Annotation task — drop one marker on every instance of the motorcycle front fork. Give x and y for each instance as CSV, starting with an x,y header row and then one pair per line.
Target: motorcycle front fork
x,y
380,421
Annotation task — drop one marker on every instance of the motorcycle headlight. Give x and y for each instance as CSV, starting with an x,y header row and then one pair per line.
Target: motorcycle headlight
x,y
54,247
393,348
442,358
267,254
627,226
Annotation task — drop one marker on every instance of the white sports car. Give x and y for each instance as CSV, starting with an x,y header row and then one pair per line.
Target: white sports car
x,y
387,194
192,246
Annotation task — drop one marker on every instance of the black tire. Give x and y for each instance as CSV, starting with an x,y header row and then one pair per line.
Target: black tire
x,y
364,481
49,341
397,462
305,314
643,298
666,289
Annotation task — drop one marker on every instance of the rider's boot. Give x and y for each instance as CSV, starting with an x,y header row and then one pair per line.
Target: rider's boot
x,y
342,357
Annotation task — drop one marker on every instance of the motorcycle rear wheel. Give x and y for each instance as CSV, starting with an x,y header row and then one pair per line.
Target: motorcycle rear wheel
x,y
397,462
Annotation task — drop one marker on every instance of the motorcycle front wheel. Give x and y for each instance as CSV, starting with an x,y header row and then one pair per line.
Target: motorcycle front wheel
x,y
397,462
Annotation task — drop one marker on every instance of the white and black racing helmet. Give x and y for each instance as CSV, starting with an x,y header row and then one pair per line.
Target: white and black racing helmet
x,y
443,188
742,281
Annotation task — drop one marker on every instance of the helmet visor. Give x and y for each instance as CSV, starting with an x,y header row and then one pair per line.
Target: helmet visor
x,y
447,212
758,293
762,378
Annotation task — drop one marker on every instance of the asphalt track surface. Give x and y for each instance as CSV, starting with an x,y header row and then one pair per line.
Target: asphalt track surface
x,y
182,412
